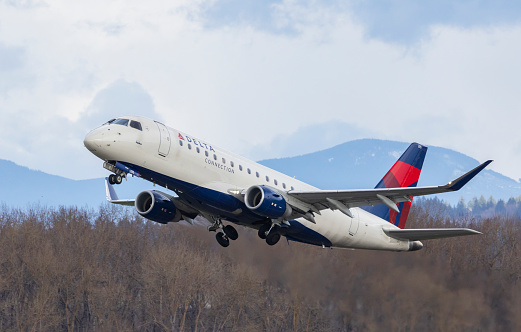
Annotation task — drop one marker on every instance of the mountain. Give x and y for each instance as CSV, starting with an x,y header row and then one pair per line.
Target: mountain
x,y
21,186
362,163
352,165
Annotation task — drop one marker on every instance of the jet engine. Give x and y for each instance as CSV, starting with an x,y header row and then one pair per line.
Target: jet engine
x,y
266,202
157,207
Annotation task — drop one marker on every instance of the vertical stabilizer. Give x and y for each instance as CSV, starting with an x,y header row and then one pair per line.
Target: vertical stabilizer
x,y
404,173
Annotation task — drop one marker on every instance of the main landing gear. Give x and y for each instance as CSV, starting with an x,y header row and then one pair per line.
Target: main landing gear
x,y
270,232
225,233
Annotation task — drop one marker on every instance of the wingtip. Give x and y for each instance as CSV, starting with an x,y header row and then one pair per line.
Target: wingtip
x,y
465,178
474,232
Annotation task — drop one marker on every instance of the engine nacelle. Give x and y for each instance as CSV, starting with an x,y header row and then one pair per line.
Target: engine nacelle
x,y
266,202
157,207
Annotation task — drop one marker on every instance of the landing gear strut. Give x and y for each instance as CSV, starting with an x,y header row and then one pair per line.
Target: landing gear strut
x,y
225,233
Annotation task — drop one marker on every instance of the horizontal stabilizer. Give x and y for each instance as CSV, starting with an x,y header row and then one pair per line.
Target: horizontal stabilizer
x,y
112,197
428,233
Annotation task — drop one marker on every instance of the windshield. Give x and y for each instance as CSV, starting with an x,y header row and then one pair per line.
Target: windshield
x,y
123,122
136,125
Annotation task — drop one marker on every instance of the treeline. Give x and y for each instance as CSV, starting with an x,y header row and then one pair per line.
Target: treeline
x,y
73,269
481,207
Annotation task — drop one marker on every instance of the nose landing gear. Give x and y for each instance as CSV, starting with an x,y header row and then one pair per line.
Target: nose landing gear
x,y
115,179
118,175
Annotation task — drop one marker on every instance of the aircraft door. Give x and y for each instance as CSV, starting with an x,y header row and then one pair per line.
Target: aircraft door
x,y
355,221
164,140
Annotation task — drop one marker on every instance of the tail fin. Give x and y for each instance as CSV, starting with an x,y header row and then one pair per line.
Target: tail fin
x,y
404,173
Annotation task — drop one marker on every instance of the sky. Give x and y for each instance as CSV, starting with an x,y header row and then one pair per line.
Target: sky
x,y
261,78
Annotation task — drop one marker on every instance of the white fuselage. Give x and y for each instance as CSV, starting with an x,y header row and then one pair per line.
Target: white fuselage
x,y
212,180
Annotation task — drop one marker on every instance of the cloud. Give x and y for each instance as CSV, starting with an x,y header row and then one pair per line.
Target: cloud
x,y
11,58
117,99
405,22
258,14
217,71
310,138
409,21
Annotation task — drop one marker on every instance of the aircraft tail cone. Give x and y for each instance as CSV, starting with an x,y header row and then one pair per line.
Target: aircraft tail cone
x,y
415,245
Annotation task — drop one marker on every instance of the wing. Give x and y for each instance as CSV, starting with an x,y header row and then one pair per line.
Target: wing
x,y
427,234
345,199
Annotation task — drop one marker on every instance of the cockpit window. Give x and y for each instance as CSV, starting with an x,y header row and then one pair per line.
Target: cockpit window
x,y
123,122
136,125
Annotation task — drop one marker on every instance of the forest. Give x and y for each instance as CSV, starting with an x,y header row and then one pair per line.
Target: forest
x,y
107,269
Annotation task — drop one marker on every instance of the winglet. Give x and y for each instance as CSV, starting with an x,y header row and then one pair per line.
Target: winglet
x,y
462,180
112,197
110,192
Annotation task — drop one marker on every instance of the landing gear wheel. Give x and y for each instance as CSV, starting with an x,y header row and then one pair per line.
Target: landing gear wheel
x,y
222,239
118,179
112,179
273,237
231,232
263,230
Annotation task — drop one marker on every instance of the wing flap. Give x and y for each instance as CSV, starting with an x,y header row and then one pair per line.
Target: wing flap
x,y
428,233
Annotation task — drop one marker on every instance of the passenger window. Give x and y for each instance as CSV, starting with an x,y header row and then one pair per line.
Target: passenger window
x,y
189,146
275,181
231,163
292,188
197,149
240,167
257,173
283,185
224,161
136,125
180,142
249,171
267,179
215,157
206,153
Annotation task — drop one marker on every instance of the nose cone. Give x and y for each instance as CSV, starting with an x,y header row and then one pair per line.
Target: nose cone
x,y
93,141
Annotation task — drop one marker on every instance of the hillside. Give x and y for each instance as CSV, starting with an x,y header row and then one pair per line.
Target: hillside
x,y
362,163
22,186
355,164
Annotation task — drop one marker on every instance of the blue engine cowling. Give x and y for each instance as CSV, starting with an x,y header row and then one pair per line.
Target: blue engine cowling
x,y
157,207
266,202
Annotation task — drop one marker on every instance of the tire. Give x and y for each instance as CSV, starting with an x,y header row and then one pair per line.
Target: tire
x,y
111,179
263,229
273,237
222,239
231,232
118,179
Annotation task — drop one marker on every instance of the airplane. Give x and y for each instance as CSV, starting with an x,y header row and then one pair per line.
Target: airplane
x,y
225,188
